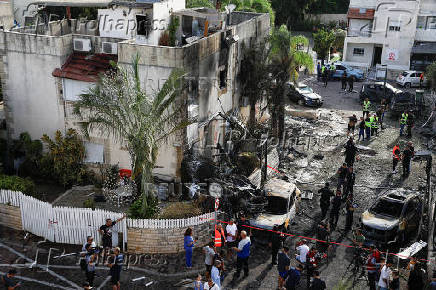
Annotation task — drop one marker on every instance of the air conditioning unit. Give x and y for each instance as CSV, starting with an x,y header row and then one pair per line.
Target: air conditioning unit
x,y
82,44
109,48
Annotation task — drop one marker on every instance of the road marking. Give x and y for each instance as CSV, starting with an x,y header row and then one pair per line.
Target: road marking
x,y
56,286
104,282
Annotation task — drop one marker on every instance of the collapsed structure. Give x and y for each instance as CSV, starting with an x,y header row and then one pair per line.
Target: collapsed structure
x,y
47,65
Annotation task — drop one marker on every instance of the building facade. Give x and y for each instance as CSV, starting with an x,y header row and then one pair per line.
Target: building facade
x,y
399,34
47,66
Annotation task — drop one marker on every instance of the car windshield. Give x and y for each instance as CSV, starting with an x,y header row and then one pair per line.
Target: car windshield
x,y
404,74
387,208
404,97
277,205
305,90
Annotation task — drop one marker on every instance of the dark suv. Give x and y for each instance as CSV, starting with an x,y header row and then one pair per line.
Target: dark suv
x,y
392,218
375,92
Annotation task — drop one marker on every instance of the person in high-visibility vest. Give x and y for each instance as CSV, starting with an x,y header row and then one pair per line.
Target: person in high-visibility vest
x,y
403,122
219,237
374,125
396,153
365,107
372,121
368,127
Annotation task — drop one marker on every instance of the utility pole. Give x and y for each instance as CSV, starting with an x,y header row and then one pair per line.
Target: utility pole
x,y
386,76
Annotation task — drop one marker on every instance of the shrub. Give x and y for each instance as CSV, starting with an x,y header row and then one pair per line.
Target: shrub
x,y
431,75
89,203
164,39
180,210
111,177
66,154
141,210
16,183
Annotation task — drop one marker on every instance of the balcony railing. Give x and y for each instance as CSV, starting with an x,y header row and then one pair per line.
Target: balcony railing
x,y
359,33
425,34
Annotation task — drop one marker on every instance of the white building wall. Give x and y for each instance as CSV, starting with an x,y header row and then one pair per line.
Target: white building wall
x,y
369,4
73,89
359,59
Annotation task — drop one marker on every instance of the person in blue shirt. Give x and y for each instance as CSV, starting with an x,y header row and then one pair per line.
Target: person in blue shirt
x,y
115,264
293,277
215,273
198,284
188,245
243,253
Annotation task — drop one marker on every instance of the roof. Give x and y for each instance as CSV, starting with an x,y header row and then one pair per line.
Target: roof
x,y
424,48
95,3
279,187
85,67
360,13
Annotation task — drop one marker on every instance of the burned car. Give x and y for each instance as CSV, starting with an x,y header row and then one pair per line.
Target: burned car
x,y
392,218
282,199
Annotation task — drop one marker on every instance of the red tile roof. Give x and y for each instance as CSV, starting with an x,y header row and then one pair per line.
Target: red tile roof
x,y
85,67
354,13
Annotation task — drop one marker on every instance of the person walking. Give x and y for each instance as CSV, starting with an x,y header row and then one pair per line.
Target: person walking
x,y
371,268
275,244
8,280
232,233
376,124
188,244
344,81
365,107
350,83
379,114
351,125
349,182
407,156
385,275
91,260
283,265
317,283
349,205
350,152
325,76
421,80
334,212
361,129
243,253
368,126
318,71
115,265
293,277
403,122
342,174
396,153
209,254
324,201
416,278
323,237
215,273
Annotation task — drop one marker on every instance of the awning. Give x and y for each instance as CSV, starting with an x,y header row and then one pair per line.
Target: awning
x,y
85,67
424,48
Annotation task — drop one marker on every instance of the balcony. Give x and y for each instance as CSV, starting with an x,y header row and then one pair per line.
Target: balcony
x,y
425,35
359,33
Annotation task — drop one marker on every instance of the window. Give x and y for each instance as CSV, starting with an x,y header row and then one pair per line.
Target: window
x,y
94,153
143,25
394,25
431,24
223,77
358,51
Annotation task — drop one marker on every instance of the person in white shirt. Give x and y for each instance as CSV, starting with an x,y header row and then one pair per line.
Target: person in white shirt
x,y
89,240
215,273
209,252
232,233
385,275
210,285
302,250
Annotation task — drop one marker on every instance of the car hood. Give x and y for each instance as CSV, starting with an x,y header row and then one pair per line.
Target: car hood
x,y
313,96
378,222
268,221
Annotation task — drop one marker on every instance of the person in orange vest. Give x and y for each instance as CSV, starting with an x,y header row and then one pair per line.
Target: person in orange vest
x,y
396,158
219,237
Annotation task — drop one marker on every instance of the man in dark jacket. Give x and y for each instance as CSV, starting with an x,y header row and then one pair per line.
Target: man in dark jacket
x,y
344,81
349,182
324,201
275,242
416,278
293,277
407,158
350,84
317,283
350,152
334,212
283,265
342,175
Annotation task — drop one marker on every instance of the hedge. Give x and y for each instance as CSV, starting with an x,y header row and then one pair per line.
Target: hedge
x,y
15,183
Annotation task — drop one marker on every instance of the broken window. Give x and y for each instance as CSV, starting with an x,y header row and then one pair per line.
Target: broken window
x,y
277,205
223,77
143,25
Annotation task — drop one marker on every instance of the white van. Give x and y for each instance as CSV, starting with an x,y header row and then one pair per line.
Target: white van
x,y
410,78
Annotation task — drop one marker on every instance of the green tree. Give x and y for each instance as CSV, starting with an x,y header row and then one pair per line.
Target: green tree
x,y
323,41
430,74
254,76
258,6
65,154
338,43
286,59
118,106
199,3
290,12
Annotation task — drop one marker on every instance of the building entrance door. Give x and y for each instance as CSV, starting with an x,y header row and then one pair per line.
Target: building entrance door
x,y
377,55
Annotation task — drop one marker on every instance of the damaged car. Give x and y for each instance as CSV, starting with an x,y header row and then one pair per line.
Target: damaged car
x,y
282,201
392,218
304,95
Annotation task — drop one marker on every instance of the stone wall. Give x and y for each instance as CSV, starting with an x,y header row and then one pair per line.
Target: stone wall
x,y
165,241
10,216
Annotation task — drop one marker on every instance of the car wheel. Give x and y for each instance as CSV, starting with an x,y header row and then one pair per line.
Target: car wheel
x,y
407,85
301,102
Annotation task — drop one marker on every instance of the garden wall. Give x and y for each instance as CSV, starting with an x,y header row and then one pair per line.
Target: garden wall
x,y
10,216
165,241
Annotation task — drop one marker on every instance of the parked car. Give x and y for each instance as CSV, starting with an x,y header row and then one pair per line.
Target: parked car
x,y
341,67
396,210
304,95
283,198
375,92
410,78
405,101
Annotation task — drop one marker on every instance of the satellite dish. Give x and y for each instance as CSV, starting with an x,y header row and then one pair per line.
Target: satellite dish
x,y
230,7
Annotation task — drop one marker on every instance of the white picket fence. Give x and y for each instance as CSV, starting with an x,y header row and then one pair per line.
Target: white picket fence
x,y
72,225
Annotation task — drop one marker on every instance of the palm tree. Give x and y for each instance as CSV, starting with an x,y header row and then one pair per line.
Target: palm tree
x,y
119,107
286,60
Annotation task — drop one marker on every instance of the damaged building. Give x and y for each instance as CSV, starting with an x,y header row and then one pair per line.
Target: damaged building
x,y
47,65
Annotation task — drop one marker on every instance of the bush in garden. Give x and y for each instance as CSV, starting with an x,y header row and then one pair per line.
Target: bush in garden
x,y
16,183
138,211
65,154
89,203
